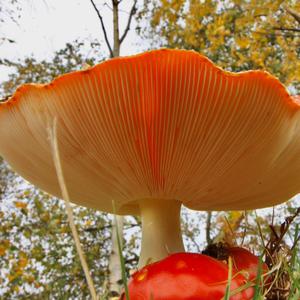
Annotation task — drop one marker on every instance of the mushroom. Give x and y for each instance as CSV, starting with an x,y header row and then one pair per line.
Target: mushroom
x,y
187,276
245,260
155,131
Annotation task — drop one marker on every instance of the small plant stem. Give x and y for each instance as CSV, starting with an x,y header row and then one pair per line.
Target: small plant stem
x,y
227,293
65,195
258,282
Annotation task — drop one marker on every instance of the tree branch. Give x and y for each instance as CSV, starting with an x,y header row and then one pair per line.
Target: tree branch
x,y
293,13
103,28
132,12
283,34
208,228
287,29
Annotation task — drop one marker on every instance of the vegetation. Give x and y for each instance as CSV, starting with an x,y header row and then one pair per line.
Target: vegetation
x,y
237,35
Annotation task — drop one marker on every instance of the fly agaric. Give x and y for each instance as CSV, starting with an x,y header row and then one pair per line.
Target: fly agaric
x,y
155,131
186,276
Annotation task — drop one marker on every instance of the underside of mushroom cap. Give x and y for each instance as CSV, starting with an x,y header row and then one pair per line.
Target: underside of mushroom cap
x,y
165,124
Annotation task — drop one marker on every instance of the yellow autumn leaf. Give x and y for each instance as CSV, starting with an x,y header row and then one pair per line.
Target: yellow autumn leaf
x,y
2,250
23,261
242,42
21,205
4,245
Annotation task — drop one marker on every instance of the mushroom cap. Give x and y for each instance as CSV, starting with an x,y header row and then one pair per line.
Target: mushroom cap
x,y
165,124
187,276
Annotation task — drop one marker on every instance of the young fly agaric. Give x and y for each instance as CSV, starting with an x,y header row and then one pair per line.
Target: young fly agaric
x,y
154,131
186,276
247,262
242,260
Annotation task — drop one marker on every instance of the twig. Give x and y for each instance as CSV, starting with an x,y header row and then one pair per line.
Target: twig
x,y
103,28
293,13
230,229
259,229
287,29
283,34
245,228
283,230
195,243
57,162
132,12
208,227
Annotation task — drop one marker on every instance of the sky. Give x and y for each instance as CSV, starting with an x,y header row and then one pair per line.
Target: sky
x,y
45,26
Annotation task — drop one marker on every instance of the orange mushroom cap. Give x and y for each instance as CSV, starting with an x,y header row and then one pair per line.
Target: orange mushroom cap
x,y
165,124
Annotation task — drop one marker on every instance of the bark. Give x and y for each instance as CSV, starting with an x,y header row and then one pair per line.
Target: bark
x,y
114,267
208,228
116,49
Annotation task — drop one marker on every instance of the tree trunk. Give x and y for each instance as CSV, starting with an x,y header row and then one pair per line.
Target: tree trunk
x,y
208,227
115,271
114,267
116,48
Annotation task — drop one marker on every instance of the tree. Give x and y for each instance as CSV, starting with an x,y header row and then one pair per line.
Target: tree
x,y
237,35
70,58
118,39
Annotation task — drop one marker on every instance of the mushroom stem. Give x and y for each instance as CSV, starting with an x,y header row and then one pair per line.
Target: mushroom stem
x,y
161,231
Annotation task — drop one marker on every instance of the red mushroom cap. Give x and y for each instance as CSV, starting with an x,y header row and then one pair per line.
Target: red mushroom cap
x,y
245,261
186,276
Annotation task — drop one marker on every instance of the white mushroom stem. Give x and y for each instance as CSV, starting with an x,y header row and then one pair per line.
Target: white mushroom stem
x,y
161,231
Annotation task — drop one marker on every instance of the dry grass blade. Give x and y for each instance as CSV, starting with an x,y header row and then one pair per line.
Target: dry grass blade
x,y
227,293
280,254
57,162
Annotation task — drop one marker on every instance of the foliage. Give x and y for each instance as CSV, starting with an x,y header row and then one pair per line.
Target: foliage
x,y
71,58
237,35
38,256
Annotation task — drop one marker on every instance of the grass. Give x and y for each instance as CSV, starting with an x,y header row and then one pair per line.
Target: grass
x,y
227,293
259,281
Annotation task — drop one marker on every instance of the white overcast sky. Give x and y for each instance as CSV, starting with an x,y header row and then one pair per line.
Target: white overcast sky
x,y
47,25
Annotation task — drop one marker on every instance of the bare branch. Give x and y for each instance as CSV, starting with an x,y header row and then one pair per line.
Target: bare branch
x,y
287,29
271,34
208,228
103,28
132,12
293,13
116,35
5,39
